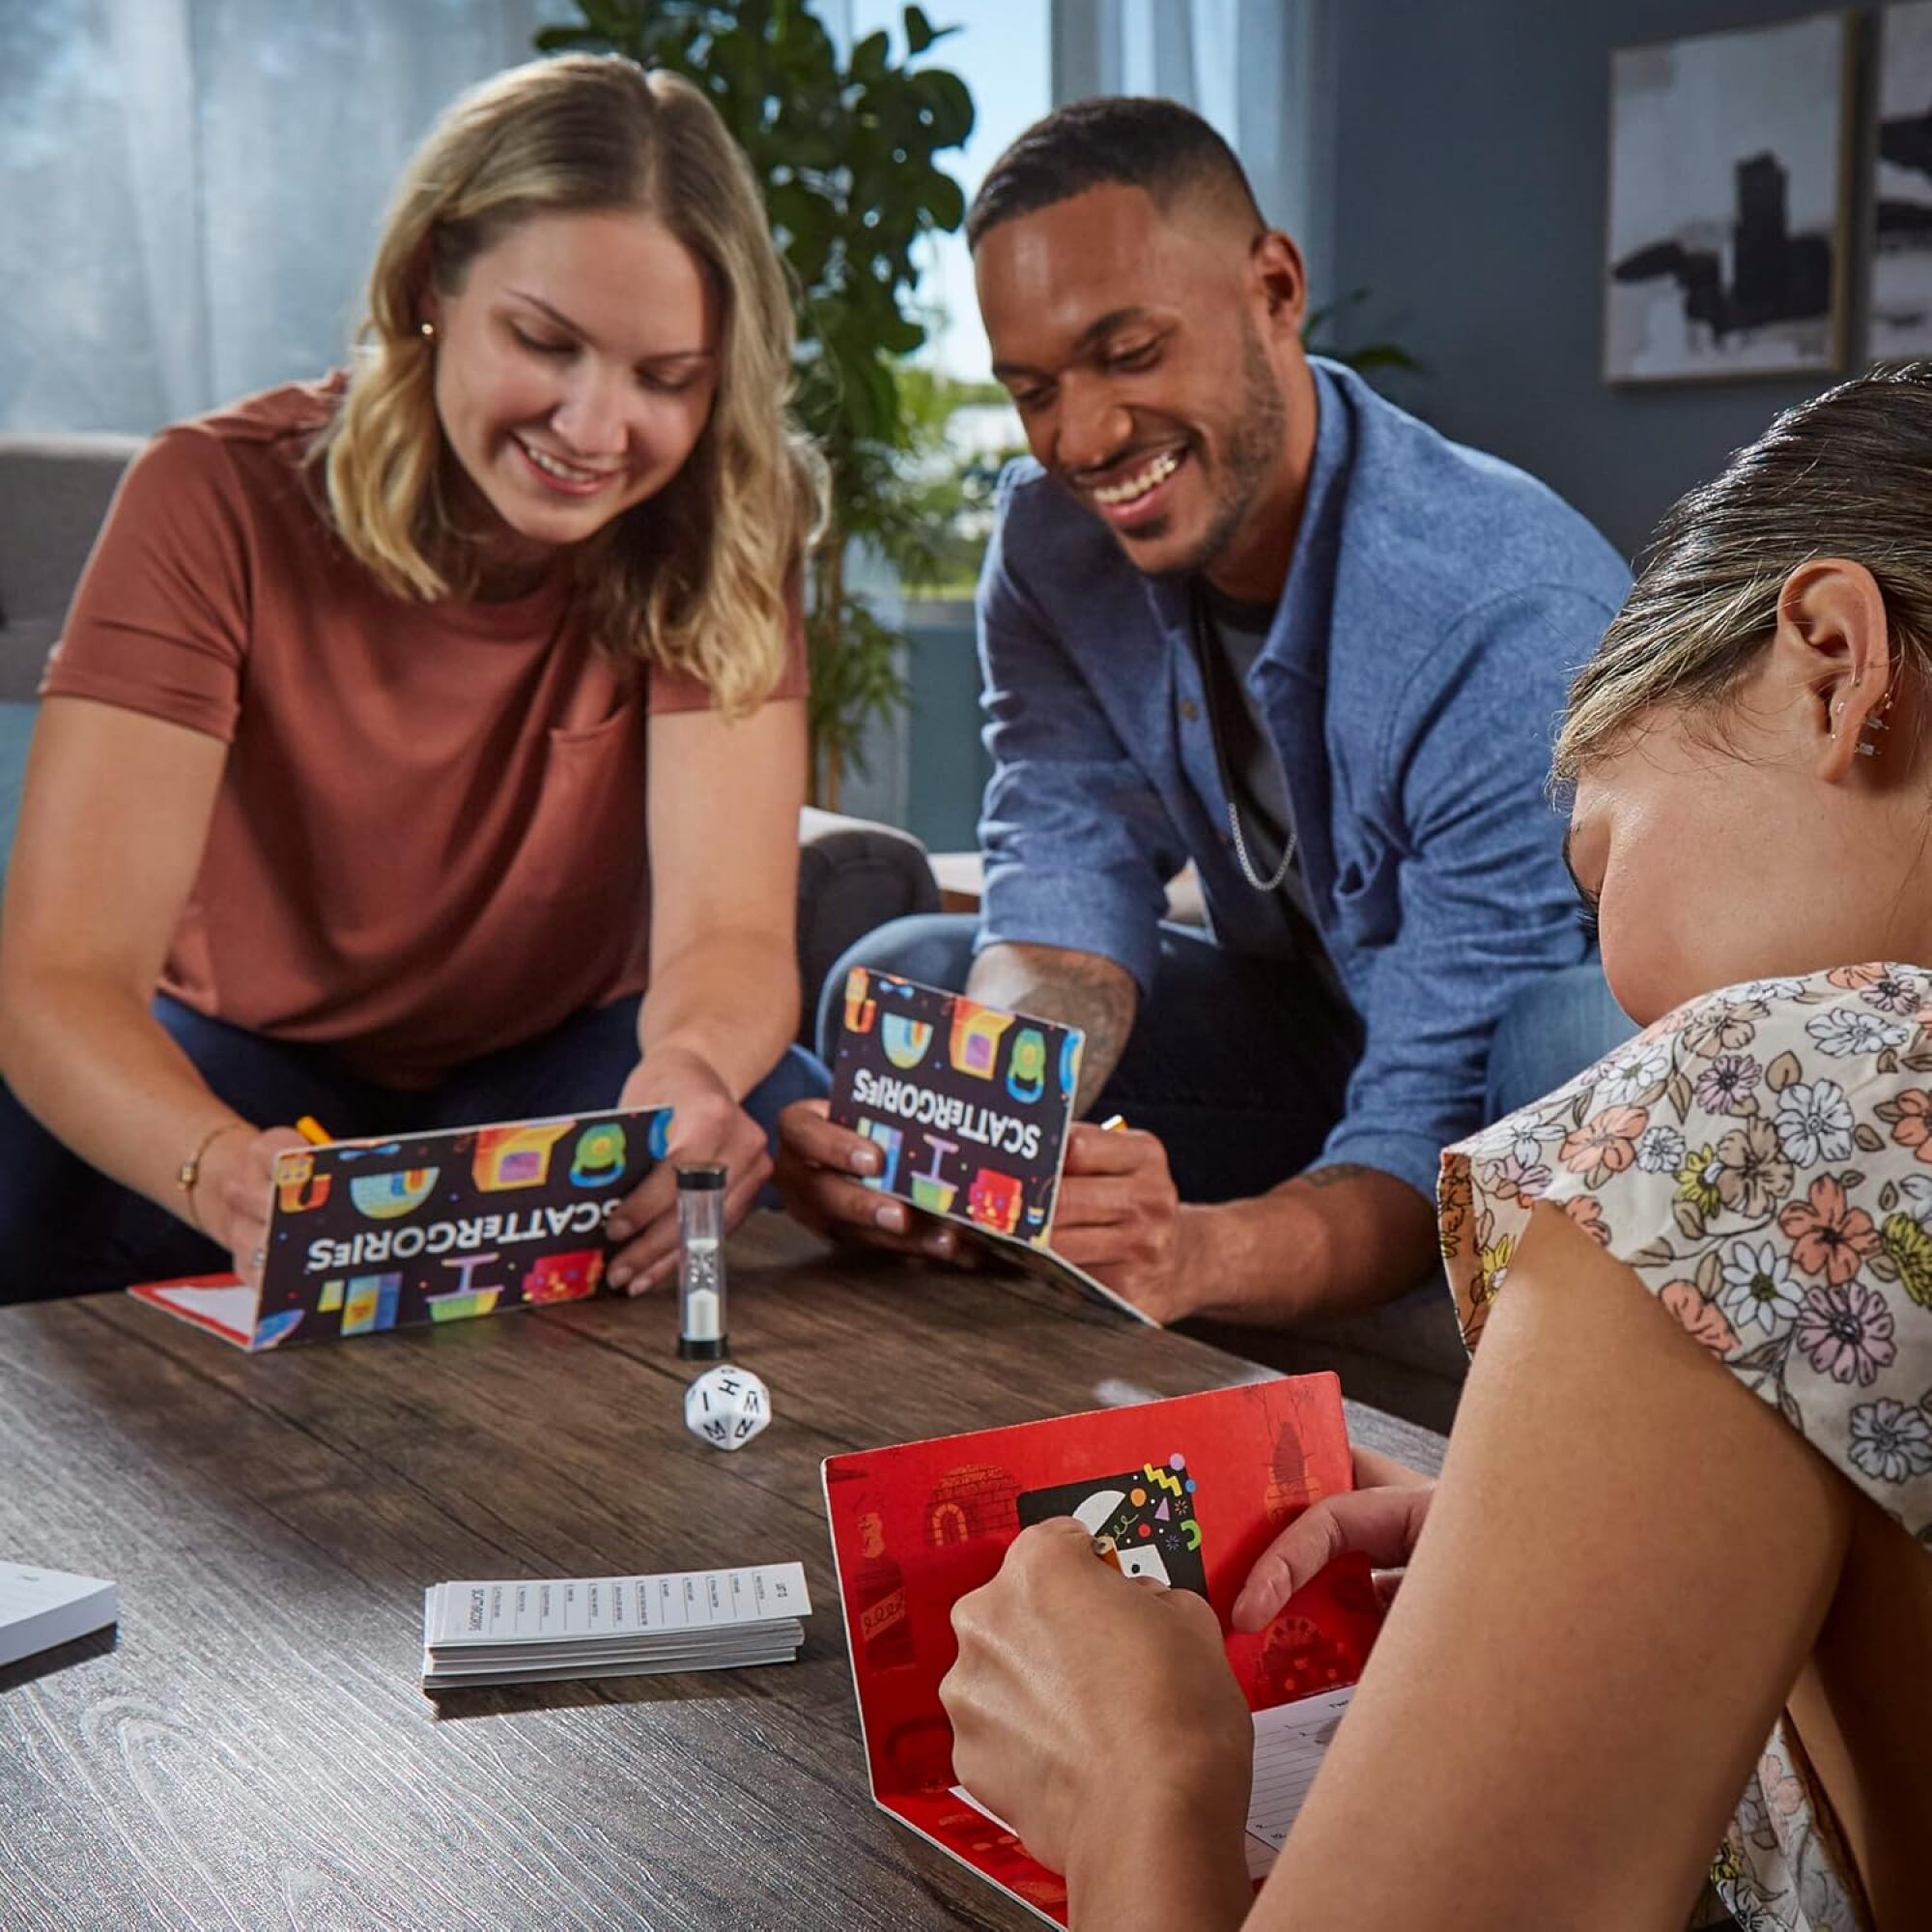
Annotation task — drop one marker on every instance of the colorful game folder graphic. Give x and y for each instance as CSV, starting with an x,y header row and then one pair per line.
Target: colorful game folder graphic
x,y
968,1106
367,1236
1190,1492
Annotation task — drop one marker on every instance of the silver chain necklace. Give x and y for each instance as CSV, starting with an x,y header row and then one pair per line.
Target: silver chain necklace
x,y
1248,871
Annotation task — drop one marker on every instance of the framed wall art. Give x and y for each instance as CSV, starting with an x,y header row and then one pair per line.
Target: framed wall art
x,y
1727,225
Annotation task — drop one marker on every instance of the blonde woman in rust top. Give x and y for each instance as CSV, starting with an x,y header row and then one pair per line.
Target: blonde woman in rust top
x,y
426,745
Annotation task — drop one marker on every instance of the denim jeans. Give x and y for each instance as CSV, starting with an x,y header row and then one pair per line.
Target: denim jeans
x,y
1240,1065
1555,1028
66,1229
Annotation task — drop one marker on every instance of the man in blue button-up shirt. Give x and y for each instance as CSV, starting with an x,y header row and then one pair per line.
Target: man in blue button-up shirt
x,y
1242,611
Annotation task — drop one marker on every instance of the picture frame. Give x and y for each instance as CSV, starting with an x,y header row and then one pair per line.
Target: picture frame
x,y
1899,276
1728,227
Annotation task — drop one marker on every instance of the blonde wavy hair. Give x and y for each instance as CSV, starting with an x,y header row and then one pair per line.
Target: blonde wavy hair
x,y
702,578
1847,474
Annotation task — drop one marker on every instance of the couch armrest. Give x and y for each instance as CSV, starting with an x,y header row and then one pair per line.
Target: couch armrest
x,y
852,875
54,490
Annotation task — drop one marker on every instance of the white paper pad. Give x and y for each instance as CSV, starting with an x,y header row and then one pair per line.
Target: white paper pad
x,y
1291,1741
228,1308
40,1608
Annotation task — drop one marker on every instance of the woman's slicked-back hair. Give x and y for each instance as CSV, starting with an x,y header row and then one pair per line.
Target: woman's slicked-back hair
x,y
701,576
1116,140
1847,474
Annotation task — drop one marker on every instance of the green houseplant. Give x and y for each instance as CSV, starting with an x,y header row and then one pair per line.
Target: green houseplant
x,y
846,155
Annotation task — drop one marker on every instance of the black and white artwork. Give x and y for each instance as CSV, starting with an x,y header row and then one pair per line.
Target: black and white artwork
x,y
1901,269
1728,204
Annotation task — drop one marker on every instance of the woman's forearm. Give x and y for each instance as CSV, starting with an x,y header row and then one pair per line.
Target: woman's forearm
x,y
731,999
1198,1878
94,1068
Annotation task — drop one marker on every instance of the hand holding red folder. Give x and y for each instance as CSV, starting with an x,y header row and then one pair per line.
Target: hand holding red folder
x,y
1046,1651
1381,1517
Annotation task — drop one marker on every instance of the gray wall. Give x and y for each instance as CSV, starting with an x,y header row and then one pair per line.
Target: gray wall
x,y
1469,170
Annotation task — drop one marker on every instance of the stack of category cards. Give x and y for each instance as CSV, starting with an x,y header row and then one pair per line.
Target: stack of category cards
x,y
532,1631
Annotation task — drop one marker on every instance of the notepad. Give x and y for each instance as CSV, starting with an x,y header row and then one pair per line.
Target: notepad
x,y
40,1608
1290,1741
535,1630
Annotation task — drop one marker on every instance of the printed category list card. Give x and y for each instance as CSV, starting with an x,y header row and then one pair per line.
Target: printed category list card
x,y
539,1611
1290,1741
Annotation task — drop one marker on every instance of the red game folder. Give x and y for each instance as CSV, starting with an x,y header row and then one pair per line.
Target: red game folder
x,y
1190,1490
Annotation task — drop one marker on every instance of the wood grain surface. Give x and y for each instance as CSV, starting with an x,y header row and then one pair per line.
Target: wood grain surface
x,y
252,1748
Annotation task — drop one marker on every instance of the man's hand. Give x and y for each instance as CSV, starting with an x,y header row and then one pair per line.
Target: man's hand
x,y
1382,1516
1089,1711
707,1125
234,1190
1119,1216
816,1165
1335,1238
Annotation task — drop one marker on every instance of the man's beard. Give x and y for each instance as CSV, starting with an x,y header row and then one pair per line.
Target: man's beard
x,y
1248,459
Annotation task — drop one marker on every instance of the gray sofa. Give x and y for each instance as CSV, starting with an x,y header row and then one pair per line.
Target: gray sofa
x,y
54,490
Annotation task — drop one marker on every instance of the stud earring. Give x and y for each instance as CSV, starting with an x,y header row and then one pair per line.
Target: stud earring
x,y
1867,747
427,330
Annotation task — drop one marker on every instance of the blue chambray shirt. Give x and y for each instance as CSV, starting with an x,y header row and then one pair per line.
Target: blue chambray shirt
x,y
1437,602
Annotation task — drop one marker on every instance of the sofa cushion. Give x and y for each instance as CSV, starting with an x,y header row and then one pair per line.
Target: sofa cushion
x,y
852,875
54,492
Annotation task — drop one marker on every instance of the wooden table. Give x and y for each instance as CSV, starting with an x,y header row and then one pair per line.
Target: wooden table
x,y
253,1748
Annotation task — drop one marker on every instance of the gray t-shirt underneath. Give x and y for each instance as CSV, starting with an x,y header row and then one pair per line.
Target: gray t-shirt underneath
x,y
1236,633
1233,637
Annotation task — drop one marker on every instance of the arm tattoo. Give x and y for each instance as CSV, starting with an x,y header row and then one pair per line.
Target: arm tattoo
x,y
1335,1174
1074,988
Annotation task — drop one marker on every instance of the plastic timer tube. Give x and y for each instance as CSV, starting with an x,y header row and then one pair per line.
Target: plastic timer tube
x,y
700,1264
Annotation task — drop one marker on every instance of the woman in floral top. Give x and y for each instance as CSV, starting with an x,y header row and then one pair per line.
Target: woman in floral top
x,y
1761,1160
1675,1588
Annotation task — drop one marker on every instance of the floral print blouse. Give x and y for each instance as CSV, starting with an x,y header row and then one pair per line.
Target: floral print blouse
x,y
1761,1159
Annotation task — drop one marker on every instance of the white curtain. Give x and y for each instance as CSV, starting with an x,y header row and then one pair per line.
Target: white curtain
x,y
1260,71
190,190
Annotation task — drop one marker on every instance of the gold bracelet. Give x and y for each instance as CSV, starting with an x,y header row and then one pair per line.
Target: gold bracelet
x,y
190,1171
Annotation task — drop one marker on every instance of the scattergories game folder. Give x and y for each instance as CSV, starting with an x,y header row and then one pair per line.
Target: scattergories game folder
x,y
366,1236
968,1106
1190,1492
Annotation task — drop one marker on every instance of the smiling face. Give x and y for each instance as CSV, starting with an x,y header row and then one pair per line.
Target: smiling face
x,y
1156,360
576,369
1758,842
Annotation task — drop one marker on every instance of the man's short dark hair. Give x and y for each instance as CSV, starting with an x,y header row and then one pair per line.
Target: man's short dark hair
x,y
1117,140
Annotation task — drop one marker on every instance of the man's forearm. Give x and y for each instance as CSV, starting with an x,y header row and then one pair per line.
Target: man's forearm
x,y
1079,989
1333,1241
